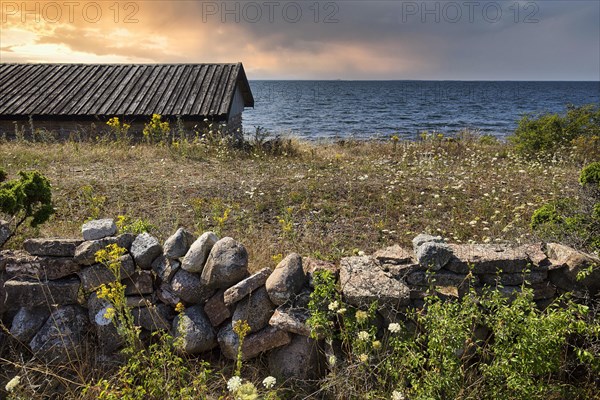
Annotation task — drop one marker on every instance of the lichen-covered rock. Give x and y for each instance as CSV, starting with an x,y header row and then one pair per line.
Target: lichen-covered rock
x,y
246,286
93,276
139,283
291,320
21,293
195,330
198,253
312,265
433,255
98,229
254,344
189,287
425,238
107,335
19,264
165,268
256,309
287,280
487,259
568,263
300,360
27,322
51,247
154,317
216,309
394,255
227,264
85,253
440,278
363,281
62,336
145,249
178,244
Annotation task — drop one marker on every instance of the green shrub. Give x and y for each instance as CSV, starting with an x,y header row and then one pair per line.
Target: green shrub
x,y
546,214
590,175
27,198
549,132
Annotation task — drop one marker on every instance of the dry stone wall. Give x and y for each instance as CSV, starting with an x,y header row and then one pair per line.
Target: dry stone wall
x,y
48,297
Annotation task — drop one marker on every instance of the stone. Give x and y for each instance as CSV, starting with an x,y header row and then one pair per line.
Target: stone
x,y
433,255
107,336
61,338
189,287
568,264
487,259
291,320
94,276
246,286
256,309
178,244
312,265
153,317
139,283
254,344
534,276
194,328
541,291
165,268
21,293
4,231
27,322
363,281
394,255
216,309
166,295
99,229
85,253
300,360
138,301
227,264
425,238
20,264
51,247
145,249
287,280
198,252
535,252
441,278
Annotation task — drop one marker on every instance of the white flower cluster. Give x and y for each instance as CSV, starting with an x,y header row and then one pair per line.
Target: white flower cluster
x,y
364,336
234,383
394,327
13,383
269,382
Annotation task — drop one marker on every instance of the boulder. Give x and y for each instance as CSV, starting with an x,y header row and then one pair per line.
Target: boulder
x,y
394,255
99,229
22,293
568,263
145,249
195,329
254,344
139,283
216,309
287,280
363,281
27,322
178,244
165,268
425,238
61,338
198,252
154,317
256,309
85,253
189,288
19,264
166,295
51,247
93,276
105,329
291,320
227,264
246,286
433,255
299,360
487,259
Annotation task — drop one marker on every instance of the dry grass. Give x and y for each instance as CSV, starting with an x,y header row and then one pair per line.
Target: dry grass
x,y
327,200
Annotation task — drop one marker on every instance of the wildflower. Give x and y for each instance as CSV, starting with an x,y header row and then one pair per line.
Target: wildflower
x,y
333,306
363,358
341,311
363,335
179,307
397,395
361,316
332,360
109,313
13,383
394,327
269,382
376,344
234,383
361,253
247,391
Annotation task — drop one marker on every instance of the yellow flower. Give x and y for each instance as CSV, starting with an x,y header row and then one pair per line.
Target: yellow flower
x,y
376,344
361,316
363,358
179,307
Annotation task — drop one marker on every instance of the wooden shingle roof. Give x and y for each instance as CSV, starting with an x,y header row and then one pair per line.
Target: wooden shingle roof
x,y
192,91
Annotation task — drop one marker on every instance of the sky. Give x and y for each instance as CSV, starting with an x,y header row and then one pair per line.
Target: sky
x,y
426,40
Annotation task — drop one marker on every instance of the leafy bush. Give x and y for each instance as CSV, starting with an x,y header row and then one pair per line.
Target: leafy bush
x,y
27,198
549,132
156,131
590,175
